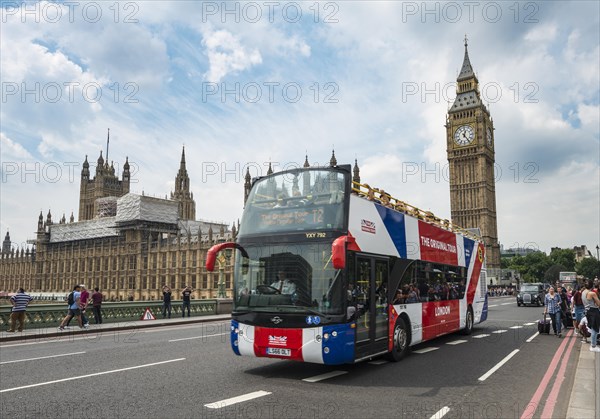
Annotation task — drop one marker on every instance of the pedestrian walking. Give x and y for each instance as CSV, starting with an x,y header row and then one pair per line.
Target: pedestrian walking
x,y
593,317
578,306
97,305
85,296
19,303
73,300
166,308
552,306
187,292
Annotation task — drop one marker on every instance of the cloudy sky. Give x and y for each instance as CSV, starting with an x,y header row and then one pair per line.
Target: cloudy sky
x,y
251,82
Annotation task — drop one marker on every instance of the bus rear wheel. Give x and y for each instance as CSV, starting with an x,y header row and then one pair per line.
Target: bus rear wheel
x,y
468,322
401,340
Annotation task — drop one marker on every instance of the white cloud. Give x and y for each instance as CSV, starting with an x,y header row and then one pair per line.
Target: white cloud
x,y
542,33
12,150
227,55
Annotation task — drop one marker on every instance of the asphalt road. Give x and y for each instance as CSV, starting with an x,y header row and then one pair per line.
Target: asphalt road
x,y
190,371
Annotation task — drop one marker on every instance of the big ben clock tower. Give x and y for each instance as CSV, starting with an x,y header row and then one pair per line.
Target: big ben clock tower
x,y
470,146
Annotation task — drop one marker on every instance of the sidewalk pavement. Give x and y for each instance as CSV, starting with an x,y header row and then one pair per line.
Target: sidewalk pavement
x,y
52,331
585,394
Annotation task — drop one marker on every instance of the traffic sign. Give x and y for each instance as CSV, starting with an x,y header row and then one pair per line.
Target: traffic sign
x,y
148,315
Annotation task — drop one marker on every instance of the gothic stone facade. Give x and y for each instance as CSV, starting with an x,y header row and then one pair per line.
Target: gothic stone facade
x,y
122,256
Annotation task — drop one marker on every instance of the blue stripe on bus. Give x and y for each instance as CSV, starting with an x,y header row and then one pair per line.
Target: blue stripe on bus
x,y
484,312
234,337
394,223
340,347
469,245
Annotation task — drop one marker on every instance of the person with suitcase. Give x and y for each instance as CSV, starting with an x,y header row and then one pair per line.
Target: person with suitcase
x,y
552,307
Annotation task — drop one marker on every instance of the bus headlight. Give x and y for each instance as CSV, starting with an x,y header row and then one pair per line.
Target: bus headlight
x,y
235,343
325,337
326,350
334,333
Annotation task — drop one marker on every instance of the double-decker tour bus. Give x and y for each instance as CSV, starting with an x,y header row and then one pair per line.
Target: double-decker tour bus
x,y
331,271
567,279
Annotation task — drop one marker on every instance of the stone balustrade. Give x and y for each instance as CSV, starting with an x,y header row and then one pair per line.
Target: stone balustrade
x,y
47,315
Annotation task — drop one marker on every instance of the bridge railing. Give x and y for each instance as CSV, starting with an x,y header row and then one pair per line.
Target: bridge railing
x,y
47,315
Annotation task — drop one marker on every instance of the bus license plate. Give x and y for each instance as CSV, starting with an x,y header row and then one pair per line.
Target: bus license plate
x,y
279,351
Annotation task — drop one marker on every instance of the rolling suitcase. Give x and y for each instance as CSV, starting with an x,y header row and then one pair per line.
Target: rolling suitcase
x,y
567,319
544,325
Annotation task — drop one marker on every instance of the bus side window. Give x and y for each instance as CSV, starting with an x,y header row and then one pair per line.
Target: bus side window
x,y
408,291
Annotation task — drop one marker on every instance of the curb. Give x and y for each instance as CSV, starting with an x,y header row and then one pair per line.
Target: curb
x,y
584,401
108,328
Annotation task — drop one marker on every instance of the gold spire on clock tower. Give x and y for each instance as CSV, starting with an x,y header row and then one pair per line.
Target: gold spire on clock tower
x,y
470,147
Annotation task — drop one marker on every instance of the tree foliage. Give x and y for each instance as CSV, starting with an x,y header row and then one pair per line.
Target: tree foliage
x,y
589,268
564,257
531,267
552,274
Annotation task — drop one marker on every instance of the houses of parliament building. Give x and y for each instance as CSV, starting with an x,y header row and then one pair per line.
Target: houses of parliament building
x,y
128,245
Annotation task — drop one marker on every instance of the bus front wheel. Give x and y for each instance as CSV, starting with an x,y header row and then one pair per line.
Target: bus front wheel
x,y
401,340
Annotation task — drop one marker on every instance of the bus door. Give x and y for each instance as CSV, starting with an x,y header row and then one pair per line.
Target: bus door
x,y
372,311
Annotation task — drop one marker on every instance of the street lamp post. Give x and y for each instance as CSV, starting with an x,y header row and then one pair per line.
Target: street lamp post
x,y
597,252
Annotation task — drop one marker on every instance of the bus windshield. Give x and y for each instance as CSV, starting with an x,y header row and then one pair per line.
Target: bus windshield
x,y
296,200
288,278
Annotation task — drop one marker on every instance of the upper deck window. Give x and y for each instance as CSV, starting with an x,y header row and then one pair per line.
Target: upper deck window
x,y
296,200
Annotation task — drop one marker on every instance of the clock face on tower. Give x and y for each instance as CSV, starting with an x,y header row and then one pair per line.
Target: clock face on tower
x,y
464,135
489,137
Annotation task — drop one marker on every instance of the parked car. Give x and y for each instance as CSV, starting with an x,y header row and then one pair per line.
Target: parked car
x,y
531,294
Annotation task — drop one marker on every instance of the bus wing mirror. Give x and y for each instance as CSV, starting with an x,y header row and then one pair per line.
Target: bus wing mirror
x,y
338,250
211,256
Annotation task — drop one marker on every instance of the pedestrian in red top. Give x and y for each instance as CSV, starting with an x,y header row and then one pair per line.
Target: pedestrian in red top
x,y
97,305
85,296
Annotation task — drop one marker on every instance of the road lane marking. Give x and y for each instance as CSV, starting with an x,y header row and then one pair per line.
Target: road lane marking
x,y
93,334
483,335
238,399
379,362
498,365
440,413
503,304
90,375
425,350
493,305
529,324
500,331
516,327
324,376
199,337
456,342
40,357
532,337
537,396
560,376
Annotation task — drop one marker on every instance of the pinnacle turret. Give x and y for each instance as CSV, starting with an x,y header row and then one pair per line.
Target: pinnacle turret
x,y
466,70
356,172
333,160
